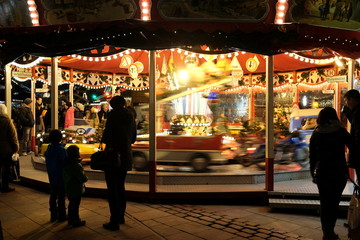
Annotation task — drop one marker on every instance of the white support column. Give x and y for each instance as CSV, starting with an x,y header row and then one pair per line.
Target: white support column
x,y
350,77
269,157
54,94
152,122
71,93
8,89
33,104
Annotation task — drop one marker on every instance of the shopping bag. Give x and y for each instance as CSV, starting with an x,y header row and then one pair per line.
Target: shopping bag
x,y
354,210
15,168
106,159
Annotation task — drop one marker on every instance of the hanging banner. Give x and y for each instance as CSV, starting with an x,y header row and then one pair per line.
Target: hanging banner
x,y
336,79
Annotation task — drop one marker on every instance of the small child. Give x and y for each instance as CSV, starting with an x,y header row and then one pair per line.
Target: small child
x,y
55,156
74,179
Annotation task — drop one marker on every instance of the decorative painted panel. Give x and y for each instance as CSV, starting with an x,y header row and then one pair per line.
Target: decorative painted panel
x,y
76,11
14,13
219,10
343,14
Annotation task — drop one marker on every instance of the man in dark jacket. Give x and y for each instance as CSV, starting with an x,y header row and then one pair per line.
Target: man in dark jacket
x,y
119,134
26,119
352,112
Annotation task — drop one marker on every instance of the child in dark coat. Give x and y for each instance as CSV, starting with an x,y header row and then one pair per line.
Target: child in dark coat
x,y
55,156
74,179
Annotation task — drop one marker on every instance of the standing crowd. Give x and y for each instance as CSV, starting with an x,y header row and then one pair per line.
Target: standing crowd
x,y
65,172
328,165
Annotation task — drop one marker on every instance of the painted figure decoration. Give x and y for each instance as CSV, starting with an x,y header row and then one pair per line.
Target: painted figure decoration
x,y
343,14
219,10
14,13
77,11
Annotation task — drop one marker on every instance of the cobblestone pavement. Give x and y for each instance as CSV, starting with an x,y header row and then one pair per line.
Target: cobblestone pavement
x,y
237,226
24,215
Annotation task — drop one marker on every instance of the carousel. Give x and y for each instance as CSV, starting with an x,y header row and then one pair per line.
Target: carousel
x,y
206,100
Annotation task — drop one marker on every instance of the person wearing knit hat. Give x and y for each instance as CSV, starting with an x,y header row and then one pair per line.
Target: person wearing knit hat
x,y
26,121
27,101
74,179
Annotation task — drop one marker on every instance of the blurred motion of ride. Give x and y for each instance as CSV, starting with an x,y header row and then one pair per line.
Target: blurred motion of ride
x,y
196,151
289,150
81,134
293,148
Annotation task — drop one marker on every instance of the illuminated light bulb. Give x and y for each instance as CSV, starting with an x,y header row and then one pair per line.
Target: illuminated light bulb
x,y
145,11
85,58
281,8
91,59
281,14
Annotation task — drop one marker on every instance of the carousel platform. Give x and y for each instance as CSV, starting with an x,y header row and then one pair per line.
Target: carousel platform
x,y
182,175
293,187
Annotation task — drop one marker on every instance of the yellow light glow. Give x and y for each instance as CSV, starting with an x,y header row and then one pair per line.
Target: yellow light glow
x,y
183,76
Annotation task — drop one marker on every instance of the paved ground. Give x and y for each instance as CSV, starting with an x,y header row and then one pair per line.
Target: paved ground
x,y
24,215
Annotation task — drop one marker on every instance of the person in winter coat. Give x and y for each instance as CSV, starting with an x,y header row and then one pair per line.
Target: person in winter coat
x,y
9,145
74,179
39,117
55,157
328,166
119,134
352,112
103,113
69,115
26,119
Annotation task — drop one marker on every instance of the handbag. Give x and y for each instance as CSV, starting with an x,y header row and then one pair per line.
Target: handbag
x,y
353,217
105,159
